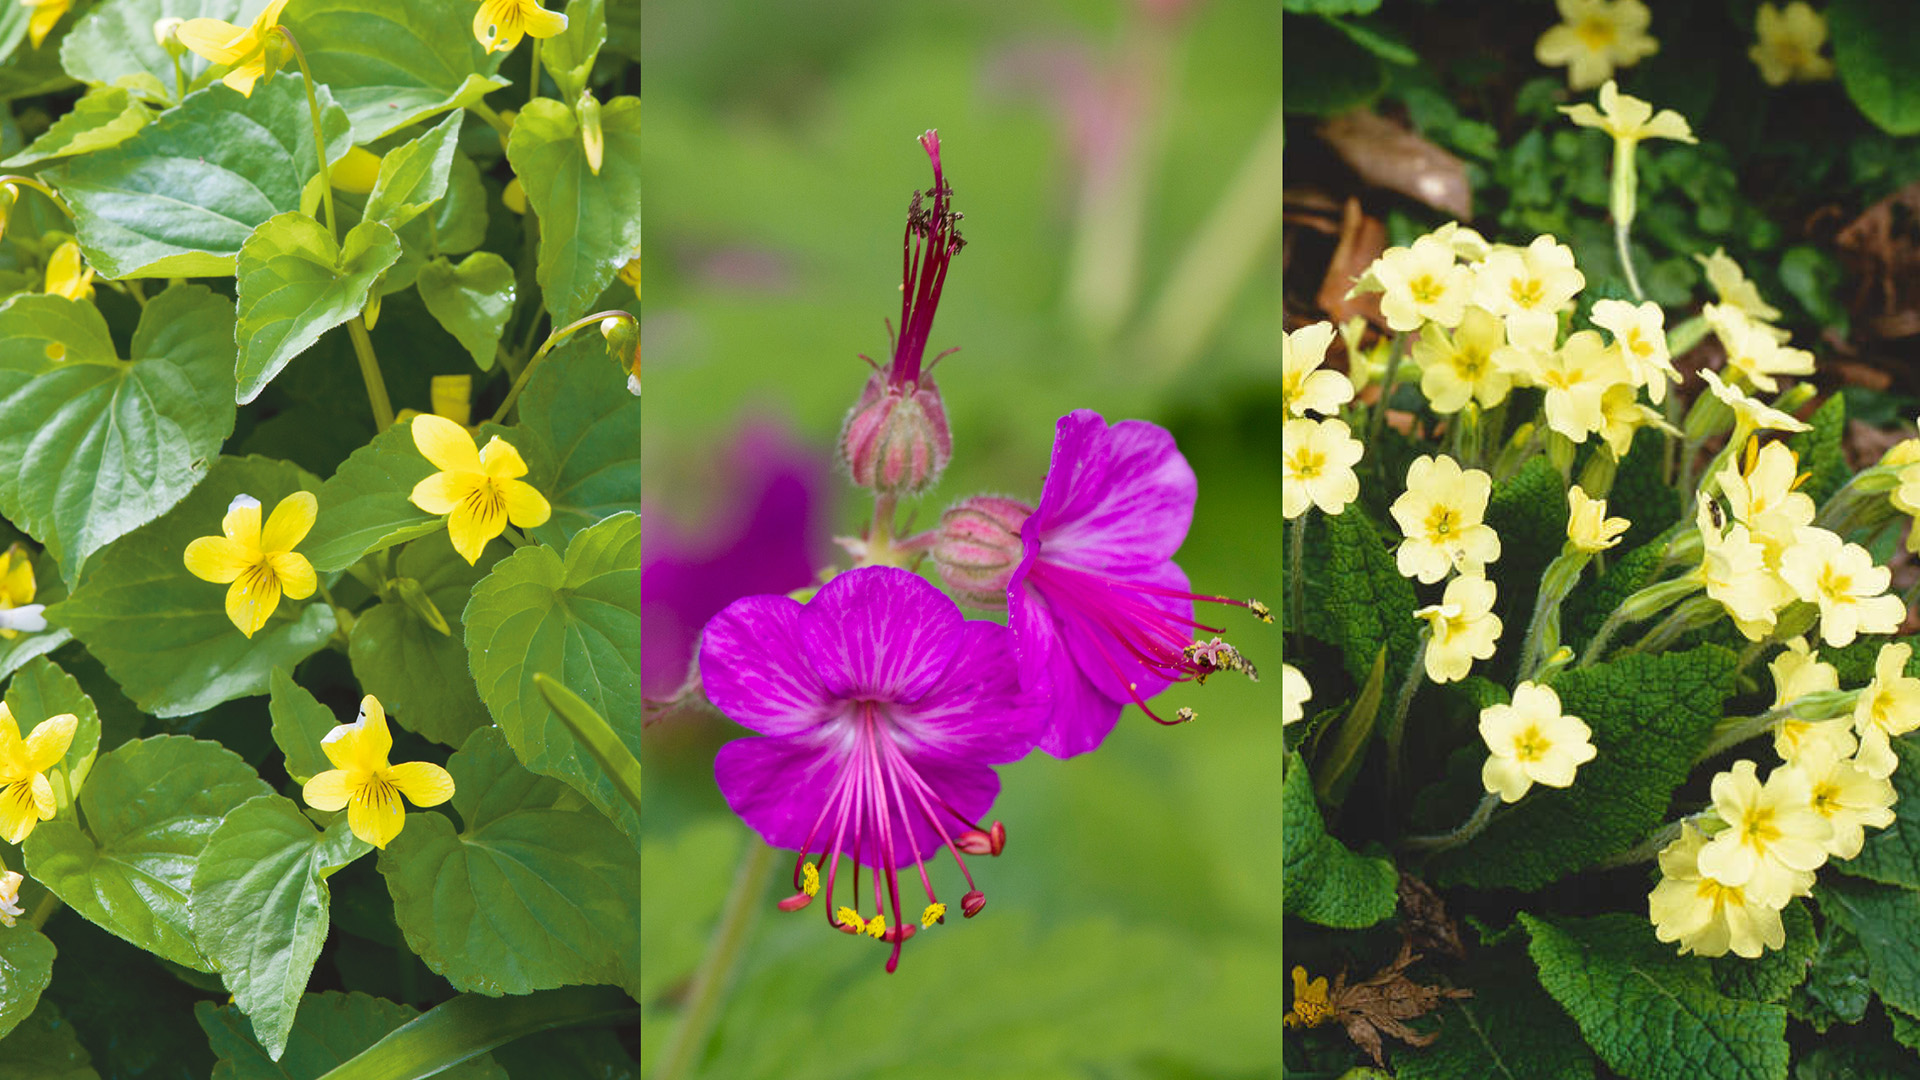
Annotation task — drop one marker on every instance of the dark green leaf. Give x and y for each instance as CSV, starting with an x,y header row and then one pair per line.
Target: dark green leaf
x,y
588,227
586,445
26,966
1873,48
364,506
413,176
44,1048
472,300
104,117
394,62
295,284
1326,882
328,1031
299,723
419,673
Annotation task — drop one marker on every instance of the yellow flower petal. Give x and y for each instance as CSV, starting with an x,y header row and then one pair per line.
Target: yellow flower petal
x,y
295,573
357,172
45,14
49,742
375,814
365,743
501,461
441,492
242,523
217,559
496,26
216,40
480,517
43,803
446,444
422,782
67,273
539,22
13,752
16,585
526,507
18,814
290,523
328,791
251,599
452,397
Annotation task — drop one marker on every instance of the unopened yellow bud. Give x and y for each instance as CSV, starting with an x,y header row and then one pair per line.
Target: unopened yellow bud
x,y
514,197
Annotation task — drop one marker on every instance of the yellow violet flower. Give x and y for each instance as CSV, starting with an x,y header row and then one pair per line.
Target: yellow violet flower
x,y
241,50
1789,45
1532,742
26,797
630,274
1304,386
1750,415
1629,119
1295,692
1576,377
1462,628
1457,368
1594,37
362,782
259,562
1754,354
1733,288
1527,287
1639,332
68,274
1441,515
1841,577
47,12
1846,796
1316,466
1421,283
1589,529
479,490
1312,1005
356,172
1774,839
18,612
1889,706
1704,916
500,24
10,897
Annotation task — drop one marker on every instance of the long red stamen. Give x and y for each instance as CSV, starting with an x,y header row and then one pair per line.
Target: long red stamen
x,y
932,239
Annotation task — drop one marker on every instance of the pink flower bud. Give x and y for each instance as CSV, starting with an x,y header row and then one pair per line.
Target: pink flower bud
x,y
896,440
978,548
971,903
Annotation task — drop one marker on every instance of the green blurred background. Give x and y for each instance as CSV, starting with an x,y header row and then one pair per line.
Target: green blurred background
x,y
1118,165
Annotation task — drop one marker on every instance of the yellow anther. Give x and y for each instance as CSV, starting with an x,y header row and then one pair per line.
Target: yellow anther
x,y
810,879
851,919
878,927
936,912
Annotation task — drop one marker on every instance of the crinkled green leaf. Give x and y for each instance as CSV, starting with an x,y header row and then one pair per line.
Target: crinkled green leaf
x,y
1892,855
419,673
413,175
525,897
364,505
1855,1061
1508,1030
1529,511
295,284
162,633
1837,990
181,197
1650,1013
103,117
1776,974
114,39
328,1031
472,300
41,690
392,63
150,807
26,966
1886,919
260,905
1651,715
44,1047
577,621
589,223
1641,493
1873,50
1358,601
299,723
1325,882
586,444
1596,598
99,446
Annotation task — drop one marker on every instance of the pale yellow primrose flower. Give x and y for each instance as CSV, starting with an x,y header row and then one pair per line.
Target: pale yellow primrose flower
x,y
1774,839
1594,37
1441,515
68,274
1797,672
1704,916
1622,413
1847,797
259,562
1889,706
10,897
1295,692
1532,742
242,51
1841,577
1576,377
1304,387
500,24
45,14
1762,496
1750,414
1463,628
1754,354
1316,466
1790,44
26,796
1466,242
364,784
1528,287
1589,529
1457,368
1421,284
1733,288
1629,119
479,490
1639,332
1904,452
1734,570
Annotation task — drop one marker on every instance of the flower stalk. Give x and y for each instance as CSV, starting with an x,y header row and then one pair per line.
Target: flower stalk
x,y
712,979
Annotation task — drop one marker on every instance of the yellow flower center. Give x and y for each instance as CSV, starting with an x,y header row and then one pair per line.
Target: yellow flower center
x,y
1595,34
1835,586
1469,364
1440,523
1758,830
1531,745
1426,290
258,578
1527,292
1826,799
1307,464
1638,344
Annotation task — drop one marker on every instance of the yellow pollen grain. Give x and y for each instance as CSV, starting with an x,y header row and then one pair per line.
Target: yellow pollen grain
x,y
1308,465
1441,523
935,912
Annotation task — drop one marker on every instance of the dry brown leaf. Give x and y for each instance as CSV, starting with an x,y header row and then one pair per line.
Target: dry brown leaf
x,y
1882,249
1362,239
1389,155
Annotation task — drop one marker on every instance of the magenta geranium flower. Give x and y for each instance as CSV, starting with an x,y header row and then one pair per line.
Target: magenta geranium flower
x,y
769,535
880,714
1101,612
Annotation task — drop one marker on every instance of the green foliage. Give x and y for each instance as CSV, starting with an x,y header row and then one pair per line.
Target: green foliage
x,y
26,966
413,176
328,1031
471,299
41,690
1821,454
364,506
296,283
394,62
1651,715
578,621
1892,855
43,1047
1780,971
458,1029
1647,1012
1641,492
569,55
1885,918
146,429
1327,883
1872,47
102,118
527,895
1837,990
588,229
418,670
580,431
299,723
113,43
1509,1029
1359,597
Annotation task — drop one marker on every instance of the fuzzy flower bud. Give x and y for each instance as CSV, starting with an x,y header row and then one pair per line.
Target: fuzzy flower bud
x,y
896,440
978,549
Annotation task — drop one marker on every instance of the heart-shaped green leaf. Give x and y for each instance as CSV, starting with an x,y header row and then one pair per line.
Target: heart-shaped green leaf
x,y
472,300
26,967
295,284
413,175
585,445
418,672
589,222
394,62
45,1047
115,40
569,55
103,117
364,505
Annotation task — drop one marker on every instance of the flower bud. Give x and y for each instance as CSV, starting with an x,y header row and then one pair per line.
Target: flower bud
x,y
166,33
971,903
623,345
978,549
896,440
592,139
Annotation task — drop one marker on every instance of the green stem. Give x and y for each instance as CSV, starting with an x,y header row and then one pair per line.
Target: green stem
x,y
494,120
1472,827
30,182
533,87
553,339
1397,720
179,79
1297,569
319,142
370,371
688,1042
1623,198
44,910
